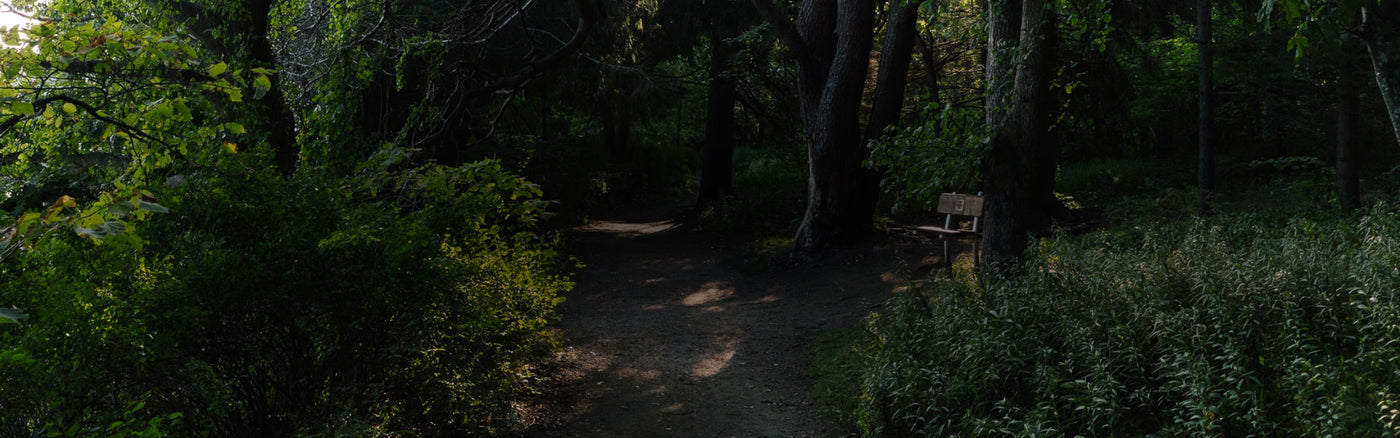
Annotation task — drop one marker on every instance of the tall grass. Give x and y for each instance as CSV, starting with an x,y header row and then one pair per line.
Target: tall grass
x,y
1238,325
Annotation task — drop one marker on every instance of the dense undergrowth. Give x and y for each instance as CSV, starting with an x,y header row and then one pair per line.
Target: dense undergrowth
x,y
402,299
769,193
1282,323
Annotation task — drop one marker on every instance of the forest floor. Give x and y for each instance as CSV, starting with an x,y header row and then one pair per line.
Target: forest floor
x,y
666,334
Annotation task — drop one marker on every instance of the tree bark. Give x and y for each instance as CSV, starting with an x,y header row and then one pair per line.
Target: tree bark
x,y
717,156
1348,127
840,190
831,42
1205,168
246,37
1020,153
895,58
1382,40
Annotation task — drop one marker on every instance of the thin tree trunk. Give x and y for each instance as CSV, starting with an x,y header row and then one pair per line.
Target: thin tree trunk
x,y
895,58
1348,127
1382,40
1205,169
717,157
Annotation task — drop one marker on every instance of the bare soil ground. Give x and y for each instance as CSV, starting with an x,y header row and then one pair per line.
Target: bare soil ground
x,y
667,337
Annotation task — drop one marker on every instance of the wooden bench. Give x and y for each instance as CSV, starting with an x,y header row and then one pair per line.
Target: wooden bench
x,y
958,210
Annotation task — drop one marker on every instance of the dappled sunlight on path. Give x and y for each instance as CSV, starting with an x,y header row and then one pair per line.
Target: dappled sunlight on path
x,y
666,337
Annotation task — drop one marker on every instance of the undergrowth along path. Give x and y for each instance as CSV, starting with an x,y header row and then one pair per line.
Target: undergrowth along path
x,y
667,336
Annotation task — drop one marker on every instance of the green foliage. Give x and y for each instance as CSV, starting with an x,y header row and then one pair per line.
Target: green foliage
x,y
1238,325
771,189
840,357
942,155
402,298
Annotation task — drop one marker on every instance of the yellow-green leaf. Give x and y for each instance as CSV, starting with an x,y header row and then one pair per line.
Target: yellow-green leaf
x,y
218,69
70,108
22,108
235,128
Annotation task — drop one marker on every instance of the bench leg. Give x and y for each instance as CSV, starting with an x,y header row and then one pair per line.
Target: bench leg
x,y
947,258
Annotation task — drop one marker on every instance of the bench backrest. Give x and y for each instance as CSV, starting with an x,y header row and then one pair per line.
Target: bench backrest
x,y
961,205
953,204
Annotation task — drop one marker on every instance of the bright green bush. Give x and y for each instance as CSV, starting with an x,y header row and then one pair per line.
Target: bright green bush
x,y
1232,326
401,298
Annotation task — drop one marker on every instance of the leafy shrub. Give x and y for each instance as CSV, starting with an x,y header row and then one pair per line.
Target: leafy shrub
x,y
771,191
1239,325
921,162
402,298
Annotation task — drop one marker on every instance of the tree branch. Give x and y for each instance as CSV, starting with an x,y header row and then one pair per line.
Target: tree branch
x,y
42,104
587,17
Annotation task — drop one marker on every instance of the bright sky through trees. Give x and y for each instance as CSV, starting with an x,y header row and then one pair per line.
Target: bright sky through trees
x,y
9,18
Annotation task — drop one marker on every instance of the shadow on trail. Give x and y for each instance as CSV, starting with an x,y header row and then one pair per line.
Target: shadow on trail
x,y
666,337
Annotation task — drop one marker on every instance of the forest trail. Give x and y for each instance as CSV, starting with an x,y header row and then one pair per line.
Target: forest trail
x,y
667,337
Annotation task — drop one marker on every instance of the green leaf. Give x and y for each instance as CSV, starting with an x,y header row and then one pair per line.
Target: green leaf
x,y
12,315
69,108
22,108
152,207
106,229
218,69
261,85
235,128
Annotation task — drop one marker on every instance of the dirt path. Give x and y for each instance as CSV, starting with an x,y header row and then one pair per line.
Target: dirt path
x,y
668,338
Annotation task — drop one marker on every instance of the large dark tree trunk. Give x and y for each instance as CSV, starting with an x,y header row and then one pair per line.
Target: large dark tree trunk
x,y
617,128
717,155
1205,91
1348,127
1020,153
245,38
831,41
281,123
1382,39
840,190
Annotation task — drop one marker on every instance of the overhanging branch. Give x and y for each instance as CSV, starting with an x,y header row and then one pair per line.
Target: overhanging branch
x,y
587,17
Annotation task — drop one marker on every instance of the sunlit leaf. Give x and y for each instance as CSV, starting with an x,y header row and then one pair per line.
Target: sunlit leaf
x,y
102,231
12,315
218,69
22,108
235,128
261,85
152,207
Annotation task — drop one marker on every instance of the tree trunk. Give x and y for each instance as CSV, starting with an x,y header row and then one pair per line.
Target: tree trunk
x,y
617,128
1020,152
717,157
840,190
1348,127
1382,40
831,42
225,37
1205,169
895,57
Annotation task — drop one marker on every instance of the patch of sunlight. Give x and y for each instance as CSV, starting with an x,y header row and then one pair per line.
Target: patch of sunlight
x,y
766,299
633,373
711,292
715,362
